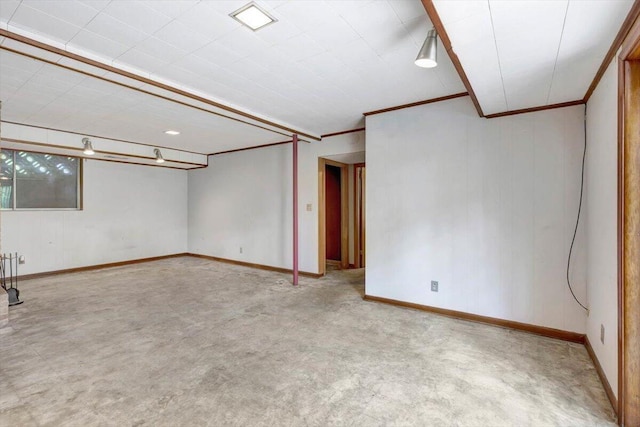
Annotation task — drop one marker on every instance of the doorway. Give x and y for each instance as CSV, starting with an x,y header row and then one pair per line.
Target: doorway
x,y
342,210
333,209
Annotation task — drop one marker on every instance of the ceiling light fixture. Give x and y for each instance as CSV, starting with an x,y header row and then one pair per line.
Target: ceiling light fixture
x,y
172,132
428,55
253,16
159,158
88,148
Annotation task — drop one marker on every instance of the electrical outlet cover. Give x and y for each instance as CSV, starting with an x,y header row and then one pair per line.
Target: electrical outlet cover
x,y
434,286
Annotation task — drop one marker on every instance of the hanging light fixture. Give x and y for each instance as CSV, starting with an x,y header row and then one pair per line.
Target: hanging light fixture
x,y
428,55
88,148
159,158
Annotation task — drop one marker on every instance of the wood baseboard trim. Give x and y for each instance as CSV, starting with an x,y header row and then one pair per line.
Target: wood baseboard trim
x,y
525,327
98,266
603,378
252,265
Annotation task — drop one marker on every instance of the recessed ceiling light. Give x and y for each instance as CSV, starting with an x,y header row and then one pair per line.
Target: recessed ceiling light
x,y
252,16
172,132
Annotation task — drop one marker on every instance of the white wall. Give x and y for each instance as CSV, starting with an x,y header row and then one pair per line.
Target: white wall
x,y
130,212
601,210
244,199
486,207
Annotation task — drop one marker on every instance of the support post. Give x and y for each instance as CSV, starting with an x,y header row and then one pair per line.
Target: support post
x,y
295,209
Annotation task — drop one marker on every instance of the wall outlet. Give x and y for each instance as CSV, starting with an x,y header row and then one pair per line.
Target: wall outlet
x,y
434,286
602,334
240,249
21,259
309,207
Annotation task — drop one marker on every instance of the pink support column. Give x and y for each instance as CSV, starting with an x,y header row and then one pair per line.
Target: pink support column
x,y
295,209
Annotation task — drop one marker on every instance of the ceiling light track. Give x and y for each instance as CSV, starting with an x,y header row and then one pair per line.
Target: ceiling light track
x,y
100,137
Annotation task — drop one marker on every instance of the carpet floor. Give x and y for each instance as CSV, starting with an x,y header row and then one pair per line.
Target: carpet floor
x,y
187,341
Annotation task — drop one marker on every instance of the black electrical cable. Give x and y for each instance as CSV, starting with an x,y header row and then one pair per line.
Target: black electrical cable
x,y
575,231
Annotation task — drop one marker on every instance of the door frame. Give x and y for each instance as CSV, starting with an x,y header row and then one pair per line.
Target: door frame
x,y
322,215
629,229
358,245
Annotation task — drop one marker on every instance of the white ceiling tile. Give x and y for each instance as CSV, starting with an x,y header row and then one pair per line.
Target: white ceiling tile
x,y
418,29
300,47
248,69
137,15
74,12
278,32
349,7
304,14
179,35
226,7
327,65
333,32
140,60
453,11
58,74
373,17
205,20
273,60
97,44
473,32
26,66
492,101
7,8
30,50
533,94
408,10
96,4
39,22
528,36
171,8
160,49
113,29
588,32
529,32
571,79
393,37
173,73
448,75
243,42
216,53
198,66
356,52
81,66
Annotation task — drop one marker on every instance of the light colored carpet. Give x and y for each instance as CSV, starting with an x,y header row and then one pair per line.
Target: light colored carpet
x,y
188,341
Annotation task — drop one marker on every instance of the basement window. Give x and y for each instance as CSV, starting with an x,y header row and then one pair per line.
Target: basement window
x,y
32,181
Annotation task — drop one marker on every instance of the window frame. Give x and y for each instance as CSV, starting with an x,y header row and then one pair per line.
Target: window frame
x,y
79,183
